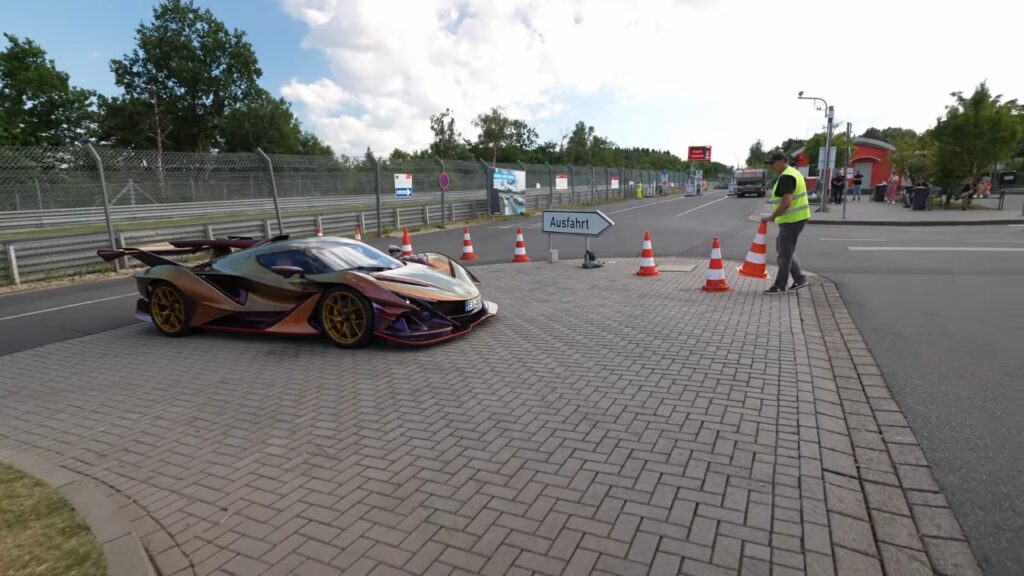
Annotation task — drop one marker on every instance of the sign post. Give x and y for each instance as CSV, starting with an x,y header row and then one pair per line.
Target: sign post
x,y
588,224
442,183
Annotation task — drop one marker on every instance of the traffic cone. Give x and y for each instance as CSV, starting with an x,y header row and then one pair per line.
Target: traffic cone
x,y
359,236
467,246
716,273
319,232
647,267
520,255
406,244
754,265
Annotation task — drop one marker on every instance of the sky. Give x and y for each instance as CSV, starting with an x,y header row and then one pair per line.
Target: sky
x,y
661,74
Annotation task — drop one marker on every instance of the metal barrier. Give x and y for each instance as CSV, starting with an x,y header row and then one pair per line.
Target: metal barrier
x,y
38,259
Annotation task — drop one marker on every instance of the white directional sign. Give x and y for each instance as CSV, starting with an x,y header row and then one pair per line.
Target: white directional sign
x,y
576,223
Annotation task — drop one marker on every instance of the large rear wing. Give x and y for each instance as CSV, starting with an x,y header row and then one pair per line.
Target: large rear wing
x,y
219,247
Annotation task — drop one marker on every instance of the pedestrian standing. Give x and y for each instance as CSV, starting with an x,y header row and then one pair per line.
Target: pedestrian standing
x,y
792,210
858,181
891,189
838,183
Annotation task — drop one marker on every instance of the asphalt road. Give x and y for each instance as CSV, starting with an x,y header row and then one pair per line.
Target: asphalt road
x,y
940,309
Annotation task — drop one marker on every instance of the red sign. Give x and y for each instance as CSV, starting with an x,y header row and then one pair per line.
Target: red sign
x,y
699,154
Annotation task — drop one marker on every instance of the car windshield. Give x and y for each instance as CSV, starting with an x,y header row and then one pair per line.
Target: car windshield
x,y
355,256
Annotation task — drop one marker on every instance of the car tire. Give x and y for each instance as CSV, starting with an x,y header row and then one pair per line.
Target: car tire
x,y
170,310
346,317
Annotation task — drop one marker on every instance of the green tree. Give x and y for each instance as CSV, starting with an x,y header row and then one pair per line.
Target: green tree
x,y
38,104
976,133
914,155
757,155
889,135
192,70
817,142
508,138
448,141
267,123
790,145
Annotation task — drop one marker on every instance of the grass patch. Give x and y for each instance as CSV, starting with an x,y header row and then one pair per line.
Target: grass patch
x,y
40,533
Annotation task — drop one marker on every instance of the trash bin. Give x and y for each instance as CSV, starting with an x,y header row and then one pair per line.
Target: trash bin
x,y
919,197
880,192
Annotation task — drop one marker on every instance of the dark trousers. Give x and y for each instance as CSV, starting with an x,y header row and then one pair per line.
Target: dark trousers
x,y
785,246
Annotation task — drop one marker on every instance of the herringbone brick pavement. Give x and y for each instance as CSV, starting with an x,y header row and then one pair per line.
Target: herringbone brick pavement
x,y
601,424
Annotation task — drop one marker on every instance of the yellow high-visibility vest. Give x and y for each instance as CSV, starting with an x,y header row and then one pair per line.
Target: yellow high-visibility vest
x,y
800,209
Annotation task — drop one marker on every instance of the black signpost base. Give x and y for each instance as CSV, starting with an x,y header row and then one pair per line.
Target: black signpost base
x,y
590,259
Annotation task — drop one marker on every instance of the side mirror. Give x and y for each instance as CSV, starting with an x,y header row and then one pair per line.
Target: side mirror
x,y
394,251
287,271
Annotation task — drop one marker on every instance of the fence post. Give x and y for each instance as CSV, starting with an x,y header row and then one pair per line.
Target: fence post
x,y
273,188
266,228
376,191
209,231
443,213
572,184
593,186
426,214
551,185
398,218
12,260
124,259
488,184
362,222
106,197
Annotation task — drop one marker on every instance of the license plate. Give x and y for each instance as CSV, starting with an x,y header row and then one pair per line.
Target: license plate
x,y
473,304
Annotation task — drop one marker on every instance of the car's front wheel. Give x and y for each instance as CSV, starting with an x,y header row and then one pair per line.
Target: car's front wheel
x,y
168,309
346,317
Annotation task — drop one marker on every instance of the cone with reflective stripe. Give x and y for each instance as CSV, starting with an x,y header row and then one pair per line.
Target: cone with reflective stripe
x,y
647,267
406,244
716,271
754,265
467,246
319,232
359,236
520,255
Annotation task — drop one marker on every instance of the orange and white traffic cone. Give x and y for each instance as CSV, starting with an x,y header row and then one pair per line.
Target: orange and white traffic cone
x,y
319,232
467,246
359,236
647,267
716,272
406,244
754,265
520,255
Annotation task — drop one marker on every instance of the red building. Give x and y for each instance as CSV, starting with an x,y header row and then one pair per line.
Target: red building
x,y
872,157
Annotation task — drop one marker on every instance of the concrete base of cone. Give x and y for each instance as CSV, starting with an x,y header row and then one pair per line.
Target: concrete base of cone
x,y
742,272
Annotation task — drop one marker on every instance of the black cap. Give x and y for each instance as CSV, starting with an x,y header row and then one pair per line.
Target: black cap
x,y
775,156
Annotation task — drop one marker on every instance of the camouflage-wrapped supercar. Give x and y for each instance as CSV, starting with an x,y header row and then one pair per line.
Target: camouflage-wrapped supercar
x,y
343,289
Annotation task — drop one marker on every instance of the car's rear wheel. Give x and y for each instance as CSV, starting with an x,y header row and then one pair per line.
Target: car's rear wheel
x,y
169,311
346,317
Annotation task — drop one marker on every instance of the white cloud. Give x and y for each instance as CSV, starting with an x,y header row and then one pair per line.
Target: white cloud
x,y
671,73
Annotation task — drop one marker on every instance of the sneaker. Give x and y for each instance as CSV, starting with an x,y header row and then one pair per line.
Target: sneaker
x,y
775,290
798,284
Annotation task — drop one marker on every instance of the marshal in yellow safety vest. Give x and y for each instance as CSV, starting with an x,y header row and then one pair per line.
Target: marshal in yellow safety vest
x,y
800,208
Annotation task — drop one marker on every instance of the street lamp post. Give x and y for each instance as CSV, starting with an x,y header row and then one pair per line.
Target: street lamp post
x,y
824,179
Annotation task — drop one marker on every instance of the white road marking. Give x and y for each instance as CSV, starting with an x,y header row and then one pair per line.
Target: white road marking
x,y
67,306
1016,225
936,248
701,206
856,239
648,204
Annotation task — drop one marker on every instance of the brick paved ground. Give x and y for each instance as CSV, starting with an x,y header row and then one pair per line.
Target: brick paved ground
x,y
602,424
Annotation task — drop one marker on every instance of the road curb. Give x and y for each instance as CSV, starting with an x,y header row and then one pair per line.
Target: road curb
x,y
912,524
121,546
914,222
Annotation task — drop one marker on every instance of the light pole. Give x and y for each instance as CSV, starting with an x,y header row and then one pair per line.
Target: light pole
x,y
826,176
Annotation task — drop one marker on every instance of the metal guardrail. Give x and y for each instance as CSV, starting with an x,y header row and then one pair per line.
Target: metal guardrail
x,y
39,259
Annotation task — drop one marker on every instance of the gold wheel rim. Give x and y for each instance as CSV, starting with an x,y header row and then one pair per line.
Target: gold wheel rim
x,y
344,317
167,309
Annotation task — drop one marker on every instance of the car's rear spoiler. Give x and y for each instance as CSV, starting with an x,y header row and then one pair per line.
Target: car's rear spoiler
x,y
219,247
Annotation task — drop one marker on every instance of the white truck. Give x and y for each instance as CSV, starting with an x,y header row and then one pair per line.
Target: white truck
x,y
750,181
